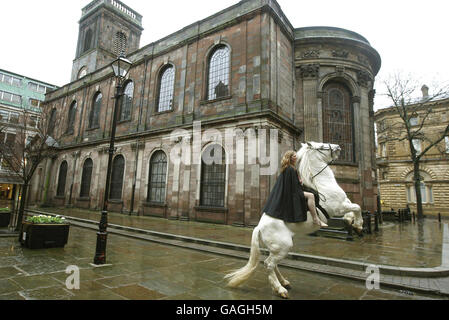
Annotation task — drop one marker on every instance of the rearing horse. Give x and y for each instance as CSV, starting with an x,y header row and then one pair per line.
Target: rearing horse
x,y
277,235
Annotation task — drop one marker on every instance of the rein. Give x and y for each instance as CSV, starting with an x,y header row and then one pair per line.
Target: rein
x,y
332,156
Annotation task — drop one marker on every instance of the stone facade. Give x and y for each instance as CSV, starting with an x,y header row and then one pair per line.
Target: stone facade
x,y
277,80
396,169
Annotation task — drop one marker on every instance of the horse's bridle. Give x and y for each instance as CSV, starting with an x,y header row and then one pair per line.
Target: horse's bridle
x,y
319,150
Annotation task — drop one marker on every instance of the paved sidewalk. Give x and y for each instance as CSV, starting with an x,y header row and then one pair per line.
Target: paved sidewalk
x,y
409,256
144,270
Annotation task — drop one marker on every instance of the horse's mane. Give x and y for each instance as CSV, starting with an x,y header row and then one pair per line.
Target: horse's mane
x,y
304,169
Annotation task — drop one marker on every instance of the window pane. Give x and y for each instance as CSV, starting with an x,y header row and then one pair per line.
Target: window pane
x,y
338,120
157,177
219,73
118,168
86,178
213,180
62,179
127,100
72,115
167,83
95,112
423,193
447,144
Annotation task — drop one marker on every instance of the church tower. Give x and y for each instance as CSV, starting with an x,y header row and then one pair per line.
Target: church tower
x,y
107,29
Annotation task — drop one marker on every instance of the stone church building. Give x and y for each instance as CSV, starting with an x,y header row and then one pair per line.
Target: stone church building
x,y
244,69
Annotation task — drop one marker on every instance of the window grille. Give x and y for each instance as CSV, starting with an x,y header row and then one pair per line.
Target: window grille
x,y
118,168
94,119
338,124
120,44
213,178
62,179
86,178
127,100
218,75
166,88
157,177
72,115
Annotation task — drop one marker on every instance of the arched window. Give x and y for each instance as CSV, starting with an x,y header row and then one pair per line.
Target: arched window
x,y
94,119
62,179
218,73
88,40
127,101
118,170
86,178
338,123
166,89
157,177
72,116
52,122
425,186
213,177
82,73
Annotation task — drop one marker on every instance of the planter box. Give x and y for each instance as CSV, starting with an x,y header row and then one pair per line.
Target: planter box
x,y
39,236
5,217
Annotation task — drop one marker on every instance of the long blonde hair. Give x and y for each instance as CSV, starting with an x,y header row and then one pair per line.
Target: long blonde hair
x,y
287,159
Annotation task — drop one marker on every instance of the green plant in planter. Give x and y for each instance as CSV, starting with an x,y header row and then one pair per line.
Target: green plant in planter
x,y
42,219
4,210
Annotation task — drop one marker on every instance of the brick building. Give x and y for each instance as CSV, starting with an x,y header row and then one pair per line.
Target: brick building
x,y
244,69
394,164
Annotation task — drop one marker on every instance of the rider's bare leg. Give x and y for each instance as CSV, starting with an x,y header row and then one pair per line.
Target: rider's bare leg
x,y
312,208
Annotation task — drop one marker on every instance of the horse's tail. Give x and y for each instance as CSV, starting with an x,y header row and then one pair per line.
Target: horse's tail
x,y
241,275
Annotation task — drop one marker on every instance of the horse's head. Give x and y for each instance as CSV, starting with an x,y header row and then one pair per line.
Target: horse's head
x,y
325,152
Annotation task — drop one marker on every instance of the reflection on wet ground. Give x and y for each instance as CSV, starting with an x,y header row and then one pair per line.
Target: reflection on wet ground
x,y
407,245
142,270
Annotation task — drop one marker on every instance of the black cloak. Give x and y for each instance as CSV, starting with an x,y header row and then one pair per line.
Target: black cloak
x,y
287,201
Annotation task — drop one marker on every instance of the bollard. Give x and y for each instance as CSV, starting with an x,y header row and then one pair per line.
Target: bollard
x,y
376,221
413,216
439,217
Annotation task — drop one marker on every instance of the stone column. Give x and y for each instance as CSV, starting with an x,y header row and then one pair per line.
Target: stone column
x,y
309,74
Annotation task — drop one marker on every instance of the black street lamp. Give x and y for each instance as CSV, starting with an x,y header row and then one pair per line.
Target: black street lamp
x,y
121,67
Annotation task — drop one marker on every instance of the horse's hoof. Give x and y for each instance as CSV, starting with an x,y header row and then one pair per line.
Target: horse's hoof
x,y
284,295
287,285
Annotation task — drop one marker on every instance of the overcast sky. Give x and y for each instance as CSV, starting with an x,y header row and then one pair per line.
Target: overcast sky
x,y
39,37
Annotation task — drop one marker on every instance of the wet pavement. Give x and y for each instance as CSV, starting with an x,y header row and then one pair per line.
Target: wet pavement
x,y
404,245
142,270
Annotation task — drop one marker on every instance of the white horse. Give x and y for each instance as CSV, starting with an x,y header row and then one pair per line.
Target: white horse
x,y
277,235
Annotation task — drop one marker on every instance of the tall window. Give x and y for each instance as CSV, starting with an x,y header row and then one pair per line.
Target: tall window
x,y
87,40
86,178
127,101
62,179
446,139
94,119
118,170
52,122
157,177
424,185
166,89
72,116
218,73
213,177
338,119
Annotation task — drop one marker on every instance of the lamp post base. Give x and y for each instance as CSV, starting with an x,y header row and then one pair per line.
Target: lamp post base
x,y
102,238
